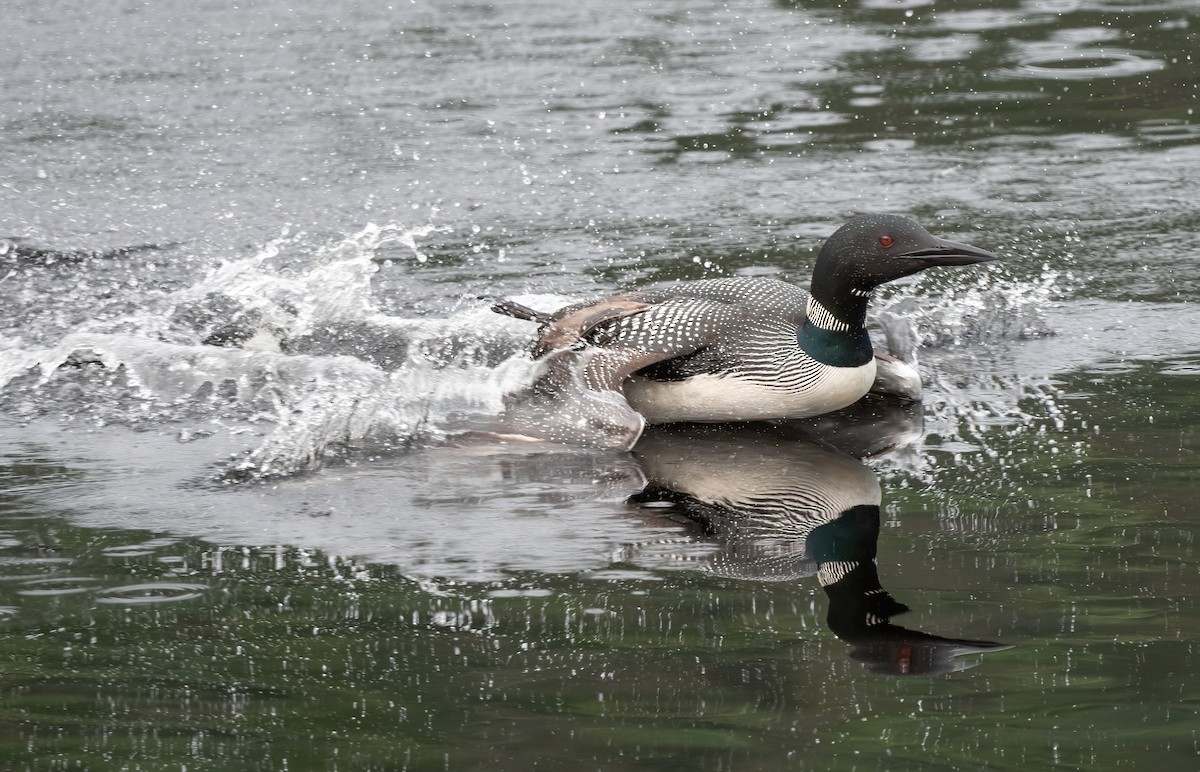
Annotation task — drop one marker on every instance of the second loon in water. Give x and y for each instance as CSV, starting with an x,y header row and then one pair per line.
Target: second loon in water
x,y
745,349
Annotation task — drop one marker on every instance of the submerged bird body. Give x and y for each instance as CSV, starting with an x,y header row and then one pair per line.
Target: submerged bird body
x,y
744,349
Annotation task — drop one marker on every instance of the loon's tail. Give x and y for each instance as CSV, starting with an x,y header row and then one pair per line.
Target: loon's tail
x,y
518,311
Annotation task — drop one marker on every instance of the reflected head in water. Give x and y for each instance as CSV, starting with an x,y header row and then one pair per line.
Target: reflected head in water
x,y
860,609
780,506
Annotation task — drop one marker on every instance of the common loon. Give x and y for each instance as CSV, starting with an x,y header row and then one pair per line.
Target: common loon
x,y
747,349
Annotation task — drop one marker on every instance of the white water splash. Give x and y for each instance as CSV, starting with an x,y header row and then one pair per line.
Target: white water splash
x,y
290,294
288,348
985,307
286,343
960,327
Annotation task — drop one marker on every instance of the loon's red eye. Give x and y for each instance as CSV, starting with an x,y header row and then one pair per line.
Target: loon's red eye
x,y
885,241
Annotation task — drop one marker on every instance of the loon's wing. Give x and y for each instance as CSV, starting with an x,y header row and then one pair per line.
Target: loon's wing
x,y
588,351
574,323
636,335
585,322
761,298
674,327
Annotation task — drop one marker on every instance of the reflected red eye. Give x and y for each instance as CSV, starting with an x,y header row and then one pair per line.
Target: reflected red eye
x,y
885,241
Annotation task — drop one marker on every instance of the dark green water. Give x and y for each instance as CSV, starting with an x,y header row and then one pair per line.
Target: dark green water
x,y
256,239
1083,559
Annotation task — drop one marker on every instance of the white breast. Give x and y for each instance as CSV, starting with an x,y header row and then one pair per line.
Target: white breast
x,y
711,398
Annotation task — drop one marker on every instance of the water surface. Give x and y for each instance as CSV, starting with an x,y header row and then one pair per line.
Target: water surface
x,y
242,253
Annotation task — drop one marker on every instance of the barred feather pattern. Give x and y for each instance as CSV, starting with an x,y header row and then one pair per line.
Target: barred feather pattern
x,y
792,510
835,571
673,326
769,356
762,501
717,350
761,539
823,318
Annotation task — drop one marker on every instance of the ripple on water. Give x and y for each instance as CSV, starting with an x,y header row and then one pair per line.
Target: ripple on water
x,y
1084,65
954,47
520,593
986,19
1188,366
890,5
138,550
27,568
1117,367
150,592
33,560
59,585
889,145
1168,130
623,575
1090,141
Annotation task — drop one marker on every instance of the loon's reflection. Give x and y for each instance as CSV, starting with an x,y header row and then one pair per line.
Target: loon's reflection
x,y
782,504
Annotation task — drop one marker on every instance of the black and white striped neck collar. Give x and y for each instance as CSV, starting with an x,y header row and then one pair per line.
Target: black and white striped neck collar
x,y
822,317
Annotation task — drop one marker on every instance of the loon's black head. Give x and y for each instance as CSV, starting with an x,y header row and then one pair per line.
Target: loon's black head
x,y
873,249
